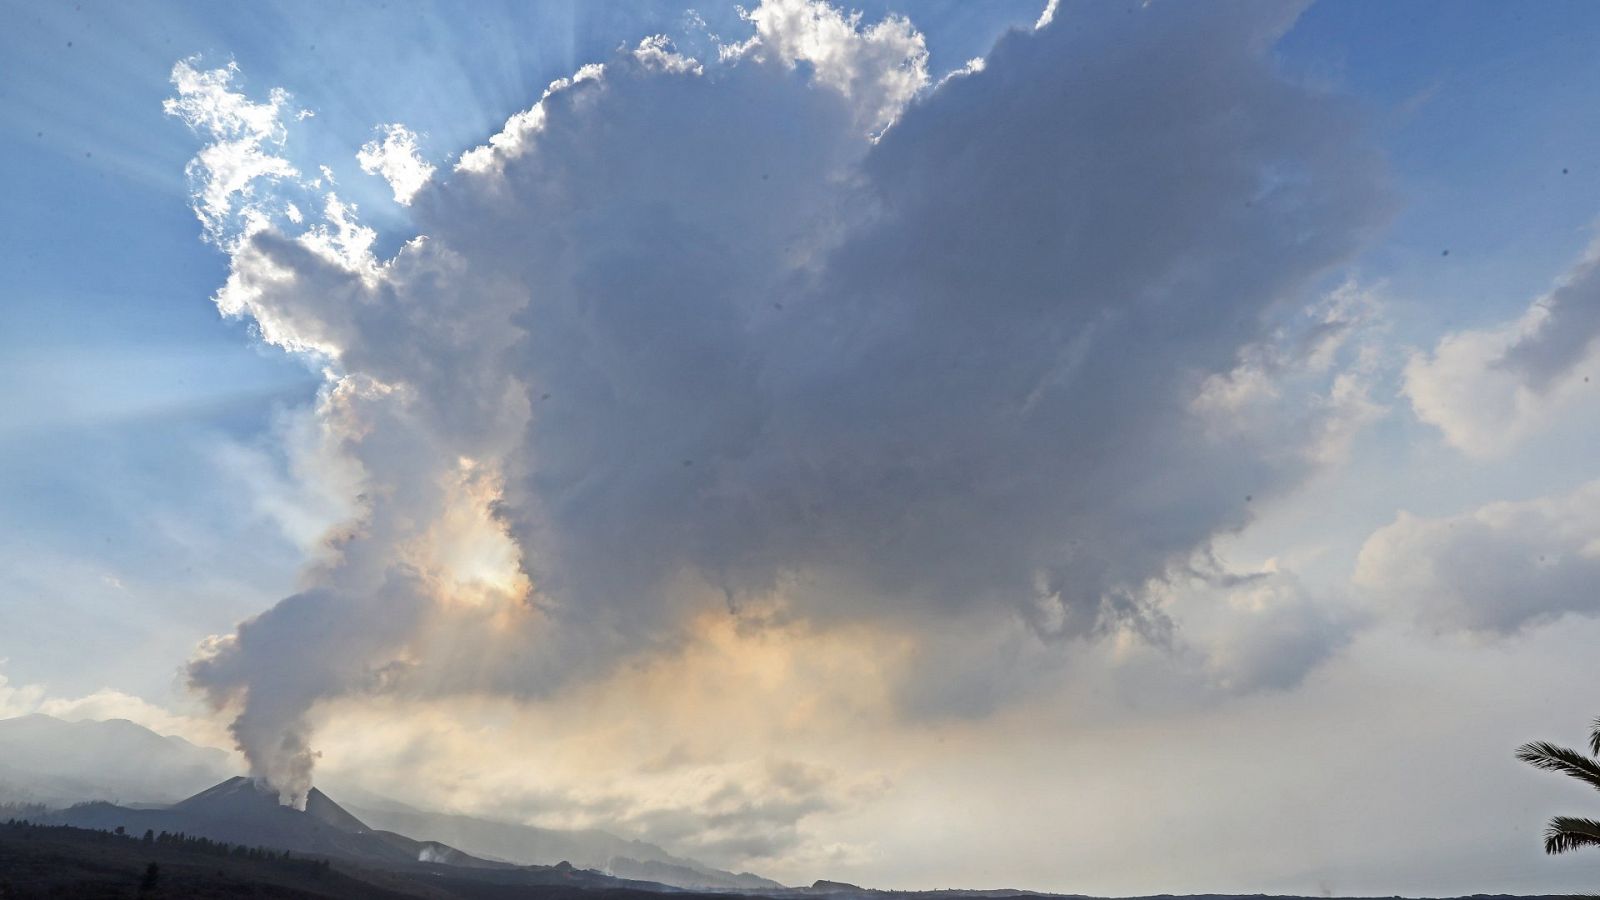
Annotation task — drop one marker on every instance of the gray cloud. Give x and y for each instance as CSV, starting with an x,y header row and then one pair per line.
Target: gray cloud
x,y
701,340
977,396
1570,324
1267,632
1233,634
753,818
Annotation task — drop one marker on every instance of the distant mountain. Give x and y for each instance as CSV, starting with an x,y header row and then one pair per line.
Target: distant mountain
x,y
530,845
241,811
55,762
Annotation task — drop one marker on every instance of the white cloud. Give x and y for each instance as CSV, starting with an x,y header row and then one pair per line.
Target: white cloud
x,y
658,53
1260,631
398,160
970,67
1491,389
1495,570
1310,386
245,138
513,137
1047,15
879,67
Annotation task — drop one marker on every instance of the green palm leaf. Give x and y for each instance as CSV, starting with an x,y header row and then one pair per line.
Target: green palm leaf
x,y
1569,833
1594,737
1551,758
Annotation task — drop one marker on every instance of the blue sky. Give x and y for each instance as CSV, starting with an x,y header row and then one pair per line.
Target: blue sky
x,y
164,480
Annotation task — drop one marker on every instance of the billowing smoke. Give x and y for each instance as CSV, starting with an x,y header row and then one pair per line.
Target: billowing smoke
x,y
796,331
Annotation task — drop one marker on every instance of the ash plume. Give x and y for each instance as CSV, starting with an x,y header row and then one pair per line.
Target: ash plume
x,y
796,328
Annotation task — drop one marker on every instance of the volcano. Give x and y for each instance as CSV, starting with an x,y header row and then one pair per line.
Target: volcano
x,y
245,798
244,811
56,763
247,812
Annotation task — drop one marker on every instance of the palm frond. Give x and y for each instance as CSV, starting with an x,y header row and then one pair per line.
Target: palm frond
x,y
1594,737
1568,833
1551,758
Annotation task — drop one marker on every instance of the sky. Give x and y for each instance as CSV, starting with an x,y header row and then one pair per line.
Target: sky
x,y
922,445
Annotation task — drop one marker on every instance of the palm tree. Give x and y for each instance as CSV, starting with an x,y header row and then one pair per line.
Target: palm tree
x,y
1568,832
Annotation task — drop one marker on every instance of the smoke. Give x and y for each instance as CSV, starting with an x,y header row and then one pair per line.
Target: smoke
x,y
797,332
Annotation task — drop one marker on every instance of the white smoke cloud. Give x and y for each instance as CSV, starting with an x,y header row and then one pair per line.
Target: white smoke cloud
x,y
798,335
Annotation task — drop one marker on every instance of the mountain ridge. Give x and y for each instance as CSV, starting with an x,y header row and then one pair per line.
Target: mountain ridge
x,y
44,759
123,766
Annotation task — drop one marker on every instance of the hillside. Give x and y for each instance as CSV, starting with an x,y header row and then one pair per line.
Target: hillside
x,y
37,861
67,862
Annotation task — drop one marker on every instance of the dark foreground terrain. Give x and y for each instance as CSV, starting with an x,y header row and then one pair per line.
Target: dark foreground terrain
x,y
62,861
66,862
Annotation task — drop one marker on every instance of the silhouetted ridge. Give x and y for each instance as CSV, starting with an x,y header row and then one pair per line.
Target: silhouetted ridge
x,y
244,811
320,807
